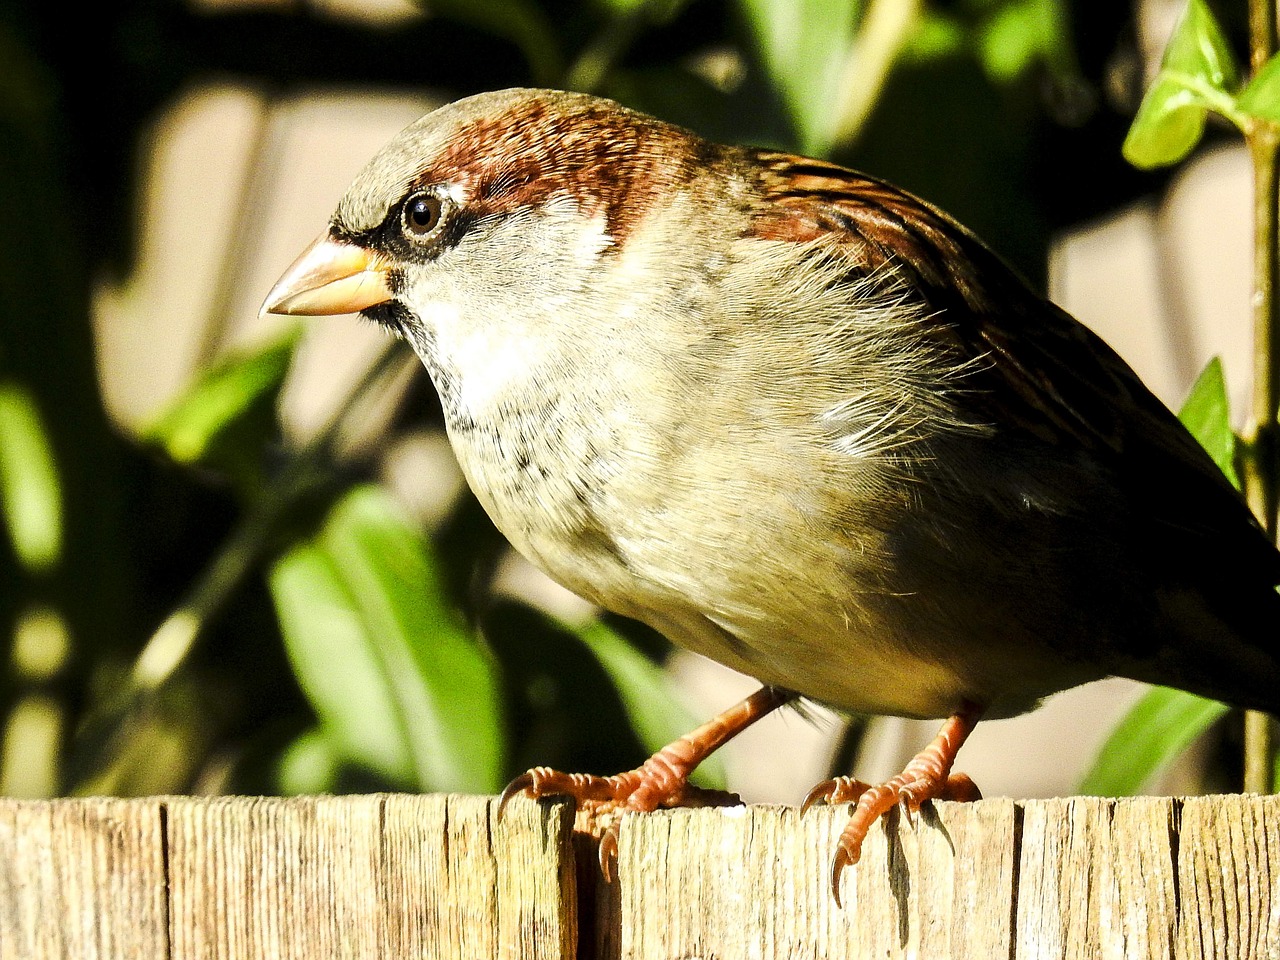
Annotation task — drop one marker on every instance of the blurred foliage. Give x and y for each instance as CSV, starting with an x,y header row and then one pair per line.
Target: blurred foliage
x,y
1198,75
397,678
1152,734
207,606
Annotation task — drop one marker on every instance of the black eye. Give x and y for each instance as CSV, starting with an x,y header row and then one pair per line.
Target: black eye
x,y
422,214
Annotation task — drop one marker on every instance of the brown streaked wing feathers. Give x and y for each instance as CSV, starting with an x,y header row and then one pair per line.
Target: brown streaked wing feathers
x,y
1046,373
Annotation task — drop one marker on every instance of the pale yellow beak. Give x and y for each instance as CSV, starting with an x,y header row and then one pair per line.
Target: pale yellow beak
x,y
330,277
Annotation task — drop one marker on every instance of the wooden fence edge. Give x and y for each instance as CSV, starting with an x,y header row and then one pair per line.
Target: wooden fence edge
x,y
390,875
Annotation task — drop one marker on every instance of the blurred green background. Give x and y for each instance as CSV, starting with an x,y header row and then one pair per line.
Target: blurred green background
x,y
201,598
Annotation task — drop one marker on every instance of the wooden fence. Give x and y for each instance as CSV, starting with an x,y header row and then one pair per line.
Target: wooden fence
x,y
391,876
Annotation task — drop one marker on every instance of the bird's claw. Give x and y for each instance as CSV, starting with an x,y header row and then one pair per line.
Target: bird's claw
x,y
909,807
820,793
833,791
522,784
608,851
843,858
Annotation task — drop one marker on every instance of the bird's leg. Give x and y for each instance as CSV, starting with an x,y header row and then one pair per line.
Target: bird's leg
x,y
662,780
927,777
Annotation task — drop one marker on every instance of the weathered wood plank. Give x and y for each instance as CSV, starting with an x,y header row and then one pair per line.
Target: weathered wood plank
x,y
370,877
753,882
1229,878
1096,879
82,878
440,877
333,877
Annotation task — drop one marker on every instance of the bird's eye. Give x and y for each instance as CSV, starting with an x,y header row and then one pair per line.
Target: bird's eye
x,y
422,214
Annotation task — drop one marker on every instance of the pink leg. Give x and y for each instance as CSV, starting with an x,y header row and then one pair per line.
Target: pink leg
x,y
927,777
662,780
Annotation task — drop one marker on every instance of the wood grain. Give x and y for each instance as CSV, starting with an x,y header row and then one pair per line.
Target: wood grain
x,y
1229,878
755,882
440,877
82,879
1096,879
239,877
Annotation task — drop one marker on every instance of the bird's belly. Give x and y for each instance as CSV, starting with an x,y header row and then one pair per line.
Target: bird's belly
x,y
771,581
818,645
854,673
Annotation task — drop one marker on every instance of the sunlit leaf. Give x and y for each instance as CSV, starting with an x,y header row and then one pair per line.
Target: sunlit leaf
x,y
339,668
228,391
935,35
1207,414
1158,728
1169,124
30,492
655,11
381,652
1198,49
803,45
1261,98
1198,74
656,715
1021,34
309,765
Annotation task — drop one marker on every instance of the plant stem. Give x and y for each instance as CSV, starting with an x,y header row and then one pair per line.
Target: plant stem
x,y
1263,469
601,54
163,655
101,740
884,29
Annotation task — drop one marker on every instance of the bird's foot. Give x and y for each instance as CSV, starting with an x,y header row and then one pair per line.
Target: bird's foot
x,y
654,784
650,786
927,777
661,781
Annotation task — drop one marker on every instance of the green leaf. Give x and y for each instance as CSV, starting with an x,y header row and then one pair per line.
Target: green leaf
x,y
1158,728
309,765
1199,50
654,11
228,392
340,669
935,36
30,492
382,653
656,715
1198,74
1169,124
803,45
1021,34
1261,98
1207,414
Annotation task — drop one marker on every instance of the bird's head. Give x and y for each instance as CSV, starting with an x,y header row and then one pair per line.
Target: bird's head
x,y
495,205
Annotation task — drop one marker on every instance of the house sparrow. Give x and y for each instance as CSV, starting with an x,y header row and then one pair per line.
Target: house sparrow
x,y
797,420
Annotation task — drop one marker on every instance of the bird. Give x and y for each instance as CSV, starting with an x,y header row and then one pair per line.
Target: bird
x,y
797,420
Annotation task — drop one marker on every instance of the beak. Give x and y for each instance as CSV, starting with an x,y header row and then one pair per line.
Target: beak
x,y
330,277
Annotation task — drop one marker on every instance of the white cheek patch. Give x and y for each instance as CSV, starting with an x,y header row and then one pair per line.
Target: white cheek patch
x,y
487,358
592,240
492,365
500,328
561,236
441,317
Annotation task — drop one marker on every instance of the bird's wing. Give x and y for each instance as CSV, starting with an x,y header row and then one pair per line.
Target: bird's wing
x,y
1038,369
